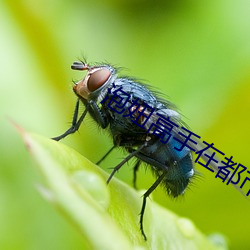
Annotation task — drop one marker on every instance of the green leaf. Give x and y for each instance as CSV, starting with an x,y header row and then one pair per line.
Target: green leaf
x,y
107,215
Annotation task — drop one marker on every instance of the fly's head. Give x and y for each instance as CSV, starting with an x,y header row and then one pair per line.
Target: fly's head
x,y
96,80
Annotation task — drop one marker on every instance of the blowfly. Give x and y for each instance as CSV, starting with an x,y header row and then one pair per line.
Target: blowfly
x,y
148,127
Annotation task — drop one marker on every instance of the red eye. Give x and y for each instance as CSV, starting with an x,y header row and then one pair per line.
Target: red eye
x,y
97,79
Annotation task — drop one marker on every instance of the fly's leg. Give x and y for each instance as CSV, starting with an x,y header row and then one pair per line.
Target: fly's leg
x,y
145,196
136,167
105,155
75,123
97,113
124,161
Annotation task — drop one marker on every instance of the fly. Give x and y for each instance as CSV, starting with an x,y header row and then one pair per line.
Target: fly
x,y
145,125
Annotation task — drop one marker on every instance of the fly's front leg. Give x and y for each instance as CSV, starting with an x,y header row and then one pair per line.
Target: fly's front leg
x,y
75,123
97,114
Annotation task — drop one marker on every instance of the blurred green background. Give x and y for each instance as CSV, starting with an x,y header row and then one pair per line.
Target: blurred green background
x,y
195,52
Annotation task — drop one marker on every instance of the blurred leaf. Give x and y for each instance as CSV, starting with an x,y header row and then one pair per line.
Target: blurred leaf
x,y
106,216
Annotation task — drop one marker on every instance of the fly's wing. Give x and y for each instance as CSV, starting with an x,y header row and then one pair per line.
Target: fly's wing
x,y
166,124
175,117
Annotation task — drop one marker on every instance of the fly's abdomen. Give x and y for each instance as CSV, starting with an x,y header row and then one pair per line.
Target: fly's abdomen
x,y
177,165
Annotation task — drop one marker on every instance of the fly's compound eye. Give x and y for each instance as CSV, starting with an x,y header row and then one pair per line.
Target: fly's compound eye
x,y
97,79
